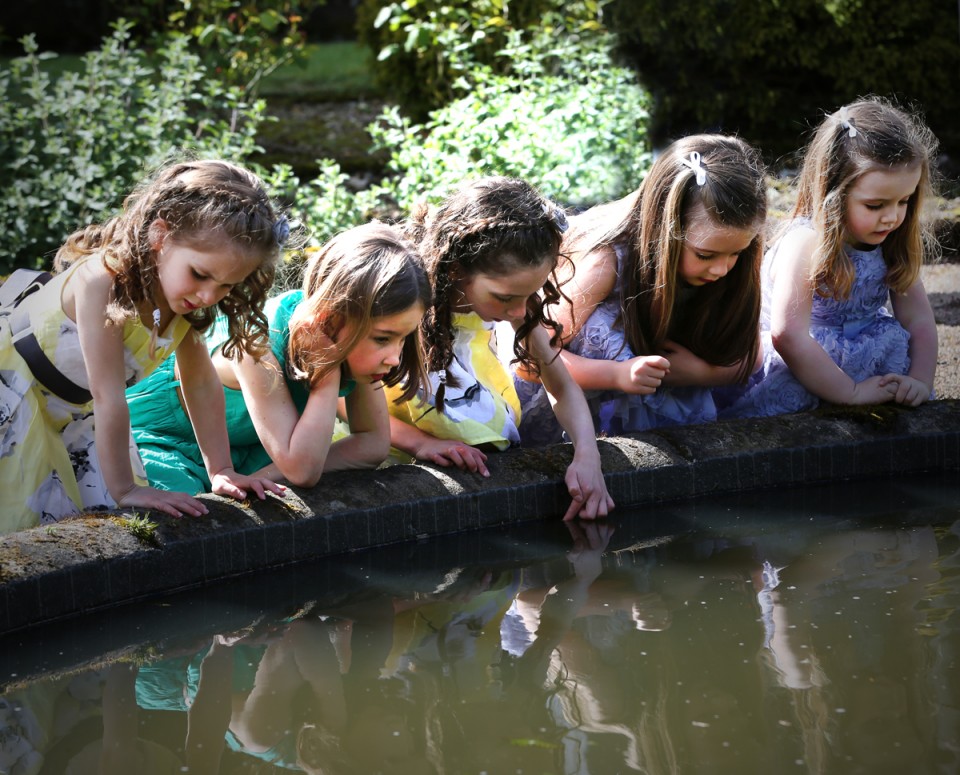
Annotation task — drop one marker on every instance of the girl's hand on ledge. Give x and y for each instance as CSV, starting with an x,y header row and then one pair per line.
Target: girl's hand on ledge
x,y
233,485
910,391
176,504
445,452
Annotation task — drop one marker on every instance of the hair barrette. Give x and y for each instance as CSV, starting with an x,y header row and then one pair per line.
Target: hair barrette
x,y
154,332
281,230
693,162
847,124
560,219
442,376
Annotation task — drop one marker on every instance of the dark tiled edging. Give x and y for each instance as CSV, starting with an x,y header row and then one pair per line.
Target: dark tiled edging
x,y
94,562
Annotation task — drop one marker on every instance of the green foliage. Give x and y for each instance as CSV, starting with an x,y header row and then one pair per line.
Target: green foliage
x,y
72,147
769,69
140,527
424,46
563,117
322,207
243,41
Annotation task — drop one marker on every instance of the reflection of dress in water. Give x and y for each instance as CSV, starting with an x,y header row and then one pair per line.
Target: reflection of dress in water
x,y
602,338
858,333
172,685
482,408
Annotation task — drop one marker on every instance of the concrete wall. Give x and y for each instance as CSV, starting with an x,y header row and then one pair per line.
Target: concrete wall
x,y
95,561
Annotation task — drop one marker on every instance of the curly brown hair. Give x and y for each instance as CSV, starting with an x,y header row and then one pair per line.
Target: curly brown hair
x,y
493,226
204,204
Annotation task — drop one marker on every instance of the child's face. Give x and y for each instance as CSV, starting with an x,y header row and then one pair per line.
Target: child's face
x,y
378,351
710,250
877,204
192,279
502,297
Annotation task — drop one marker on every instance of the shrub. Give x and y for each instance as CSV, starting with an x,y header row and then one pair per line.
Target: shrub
x,y
769,69
321,208
564,118
72,147
424,46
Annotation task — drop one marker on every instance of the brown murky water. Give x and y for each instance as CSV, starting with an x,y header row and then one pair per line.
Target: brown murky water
x,y
807,632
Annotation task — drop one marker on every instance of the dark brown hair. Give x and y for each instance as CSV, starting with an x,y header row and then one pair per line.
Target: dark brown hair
x,y
492,226
650,224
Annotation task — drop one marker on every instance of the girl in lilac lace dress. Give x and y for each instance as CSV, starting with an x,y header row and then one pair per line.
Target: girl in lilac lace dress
x,y
854,241
664,303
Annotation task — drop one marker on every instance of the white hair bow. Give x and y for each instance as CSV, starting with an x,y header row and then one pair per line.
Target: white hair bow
x,y
693,162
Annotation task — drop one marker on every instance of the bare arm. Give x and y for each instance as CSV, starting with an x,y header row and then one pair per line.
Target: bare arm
x,y
367,446
591,283
689,369
790,330
203,398
641,375
584,476
298,444
102,344
444,452
913,311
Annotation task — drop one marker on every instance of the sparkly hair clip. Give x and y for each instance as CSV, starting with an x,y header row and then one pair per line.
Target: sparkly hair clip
x,y
281,230
693,162
846,123
559,218
442,376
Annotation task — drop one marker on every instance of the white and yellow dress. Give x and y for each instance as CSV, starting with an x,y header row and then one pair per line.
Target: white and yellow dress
x,y
48,462
482,408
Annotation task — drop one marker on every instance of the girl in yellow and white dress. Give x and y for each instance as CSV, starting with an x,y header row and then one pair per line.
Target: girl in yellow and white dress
x,y
199,237
491,251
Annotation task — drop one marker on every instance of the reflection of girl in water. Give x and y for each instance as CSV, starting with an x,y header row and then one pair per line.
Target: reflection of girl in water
x,y
319,705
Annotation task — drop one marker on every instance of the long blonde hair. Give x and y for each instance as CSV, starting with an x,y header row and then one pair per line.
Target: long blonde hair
x,y
864,136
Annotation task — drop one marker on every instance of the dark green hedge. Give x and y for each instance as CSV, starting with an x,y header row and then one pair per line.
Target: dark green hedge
x,y
769,69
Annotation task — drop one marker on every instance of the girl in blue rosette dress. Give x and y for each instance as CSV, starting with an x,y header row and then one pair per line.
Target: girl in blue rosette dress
x,y
853,246
316,401
664,302
197,238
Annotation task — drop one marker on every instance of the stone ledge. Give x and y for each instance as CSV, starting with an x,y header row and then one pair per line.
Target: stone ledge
x,y
93,562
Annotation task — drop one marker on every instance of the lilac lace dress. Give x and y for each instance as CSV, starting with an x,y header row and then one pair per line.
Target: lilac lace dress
x,y
858,333
613,412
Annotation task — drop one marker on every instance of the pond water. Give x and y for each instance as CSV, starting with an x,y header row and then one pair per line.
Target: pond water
x,y
807,631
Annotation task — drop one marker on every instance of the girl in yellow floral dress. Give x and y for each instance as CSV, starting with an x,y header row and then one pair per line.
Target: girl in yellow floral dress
x,y
491,249
199,237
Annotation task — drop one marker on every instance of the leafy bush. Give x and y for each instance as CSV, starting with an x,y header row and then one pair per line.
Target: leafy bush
x,y
72,147
243,41
768,69
424,46
564,118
